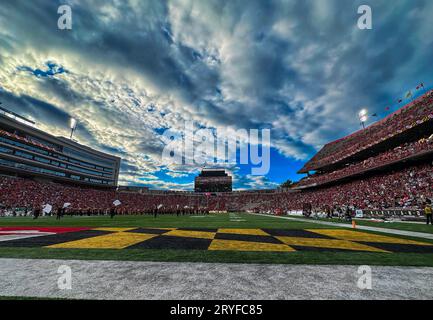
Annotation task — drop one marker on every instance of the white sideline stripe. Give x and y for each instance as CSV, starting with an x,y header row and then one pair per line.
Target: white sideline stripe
x,y
358,227
25,232
18,237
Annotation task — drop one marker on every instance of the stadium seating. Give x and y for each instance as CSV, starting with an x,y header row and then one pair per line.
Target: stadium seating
x,y
399,153
25,140
410,116
404,189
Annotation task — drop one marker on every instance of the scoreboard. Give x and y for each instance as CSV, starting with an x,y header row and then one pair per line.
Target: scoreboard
x,y
213,180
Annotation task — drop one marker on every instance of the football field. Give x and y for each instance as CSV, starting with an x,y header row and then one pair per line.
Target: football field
x,y
221,256
223,238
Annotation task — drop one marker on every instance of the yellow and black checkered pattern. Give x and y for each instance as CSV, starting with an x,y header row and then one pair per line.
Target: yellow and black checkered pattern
x,y
272,240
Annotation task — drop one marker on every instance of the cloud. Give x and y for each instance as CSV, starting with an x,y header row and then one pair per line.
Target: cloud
x,y
128,69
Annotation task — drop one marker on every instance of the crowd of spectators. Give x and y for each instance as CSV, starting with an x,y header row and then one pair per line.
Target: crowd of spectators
x,y
405,188
29,194
25,140
408,188
406,150
415,113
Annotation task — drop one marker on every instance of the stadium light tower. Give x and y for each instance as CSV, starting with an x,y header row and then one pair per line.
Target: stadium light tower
x,y
363,117
73,126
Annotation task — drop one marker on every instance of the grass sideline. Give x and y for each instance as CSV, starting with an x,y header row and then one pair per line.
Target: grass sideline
x,y
211,221
162,221
304,257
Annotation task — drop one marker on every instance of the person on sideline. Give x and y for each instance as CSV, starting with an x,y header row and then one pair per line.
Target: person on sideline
x,y
428,212
58,213
36,213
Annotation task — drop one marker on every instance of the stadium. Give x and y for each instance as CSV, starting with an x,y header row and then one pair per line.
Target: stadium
x,y
382,172
89,211
394,154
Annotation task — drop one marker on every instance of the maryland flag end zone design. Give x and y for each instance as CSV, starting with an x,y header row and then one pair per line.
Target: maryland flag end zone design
x,y
271,240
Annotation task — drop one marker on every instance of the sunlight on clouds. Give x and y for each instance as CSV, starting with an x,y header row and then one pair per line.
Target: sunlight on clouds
x,y
134,68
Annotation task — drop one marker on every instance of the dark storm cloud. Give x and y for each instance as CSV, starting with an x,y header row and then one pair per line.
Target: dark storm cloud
x,y
34,108
48,113
62,90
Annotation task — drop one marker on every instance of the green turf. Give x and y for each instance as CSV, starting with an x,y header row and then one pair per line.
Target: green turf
x,y
211,221
299,257
416,227
167,221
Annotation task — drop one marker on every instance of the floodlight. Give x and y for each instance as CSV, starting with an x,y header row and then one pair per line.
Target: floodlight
x,y
73,126
363,112
363,116
73,123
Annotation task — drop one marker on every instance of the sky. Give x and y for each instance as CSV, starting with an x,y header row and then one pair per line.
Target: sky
x,y
129,70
